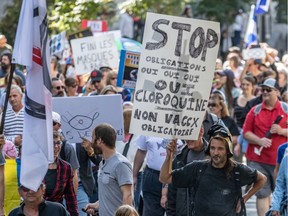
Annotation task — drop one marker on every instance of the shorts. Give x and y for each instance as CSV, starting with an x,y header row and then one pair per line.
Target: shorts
x,y
268,171
2,159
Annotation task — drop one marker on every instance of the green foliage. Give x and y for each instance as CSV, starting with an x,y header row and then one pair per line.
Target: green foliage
x,y
223,12
8,24
67,14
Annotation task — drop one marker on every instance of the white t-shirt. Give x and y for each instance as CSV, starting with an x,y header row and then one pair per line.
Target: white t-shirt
x,y
156,150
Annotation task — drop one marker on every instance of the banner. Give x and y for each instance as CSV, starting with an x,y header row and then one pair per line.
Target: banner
x,y
94,52
80,115
175,76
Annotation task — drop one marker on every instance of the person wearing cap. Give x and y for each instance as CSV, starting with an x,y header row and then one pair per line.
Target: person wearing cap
x,y
34,204
67,152
96,77
264,138
216,182
180,199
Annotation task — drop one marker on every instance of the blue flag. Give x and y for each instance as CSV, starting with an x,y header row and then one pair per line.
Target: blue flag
x,y
262,6
251,33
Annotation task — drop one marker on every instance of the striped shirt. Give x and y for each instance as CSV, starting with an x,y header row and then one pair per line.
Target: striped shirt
x,y
13,124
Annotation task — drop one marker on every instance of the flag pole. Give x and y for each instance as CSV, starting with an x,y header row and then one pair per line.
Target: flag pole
x,y
8,88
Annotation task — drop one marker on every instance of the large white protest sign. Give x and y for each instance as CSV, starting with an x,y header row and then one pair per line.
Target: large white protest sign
x,y
175,76
94,52
80,115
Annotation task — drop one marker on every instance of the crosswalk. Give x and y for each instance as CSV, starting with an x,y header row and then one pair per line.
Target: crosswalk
x,y
251,207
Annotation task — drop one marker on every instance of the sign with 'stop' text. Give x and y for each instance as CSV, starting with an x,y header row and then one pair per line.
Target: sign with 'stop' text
x,y
175,76
94,52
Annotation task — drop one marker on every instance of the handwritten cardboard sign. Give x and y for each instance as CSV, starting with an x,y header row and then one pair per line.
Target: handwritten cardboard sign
x,y
94,52
175,76
80,115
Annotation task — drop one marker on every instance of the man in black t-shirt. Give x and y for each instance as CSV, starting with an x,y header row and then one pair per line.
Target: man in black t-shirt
x,y
214,180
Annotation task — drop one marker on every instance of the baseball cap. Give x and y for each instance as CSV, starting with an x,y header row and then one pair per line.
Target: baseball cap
x,y
227,73
96,75
56,117
271,83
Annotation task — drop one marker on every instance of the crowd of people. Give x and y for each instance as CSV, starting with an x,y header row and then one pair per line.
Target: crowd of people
x,y
245,123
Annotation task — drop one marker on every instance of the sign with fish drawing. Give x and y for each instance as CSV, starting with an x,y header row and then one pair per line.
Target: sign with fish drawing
x,y
80,115
175,76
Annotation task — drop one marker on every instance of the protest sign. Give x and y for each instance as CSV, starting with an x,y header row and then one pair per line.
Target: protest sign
x,y
94,52
128,69
57,44
95,25
175,76
80,115
80,34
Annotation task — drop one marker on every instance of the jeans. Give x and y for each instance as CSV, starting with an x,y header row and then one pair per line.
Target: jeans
x,y
82,199
152,189
137,192
94,197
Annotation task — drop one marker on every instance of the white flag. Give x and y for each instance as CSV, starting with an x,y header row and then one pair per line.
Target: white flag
x,y
31,49
251,32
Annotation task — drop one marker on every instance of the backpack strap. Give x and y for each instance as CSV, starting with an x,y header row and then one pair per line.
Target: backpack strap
x,y
236,177
257,109
284,107
62,151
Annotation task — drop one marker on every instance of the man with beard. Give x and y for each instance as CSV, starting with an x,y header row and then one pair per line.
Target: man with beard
x,y
57,88
114,176
6,59
216,182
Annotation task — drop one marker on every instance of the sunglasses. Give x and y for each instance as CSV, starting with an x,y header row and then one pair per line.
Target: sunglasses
x,y
219,130
266,89
94,82
57,143
59,87
212,104
54,123
113,78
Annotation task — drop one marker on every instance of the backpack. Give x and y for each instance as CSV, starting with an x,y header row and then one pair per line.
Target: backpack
x,y
236,178
284,107
62,151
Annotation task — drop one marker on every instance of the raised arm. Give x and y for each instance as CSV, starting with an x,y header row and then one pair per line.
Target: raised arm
x,y
166,169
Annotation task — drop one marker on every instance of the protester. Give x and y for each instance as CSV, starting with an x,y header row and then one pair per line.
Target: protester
x,y
279,205
126,25
128,148
264,137
57,88
2,176
154,150
71,87
181,199
187,12
54,69
108,90
115,173
96,80
59,180
6,64
4,46
219,172
126,210
34,204
282,150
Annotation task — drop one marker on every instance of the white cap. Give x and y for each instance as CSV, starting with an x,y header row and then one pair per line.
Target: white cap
x,y
56,117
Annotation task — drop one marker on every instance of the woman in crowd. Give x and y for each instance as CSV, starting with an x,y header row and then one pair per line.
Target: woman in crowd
x,y
218,107
229,88
71,87
126,210
239,103
59,180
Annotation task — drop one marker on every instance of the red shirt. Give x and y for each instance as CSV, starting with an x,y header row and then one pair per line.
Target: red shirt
x,y
259,125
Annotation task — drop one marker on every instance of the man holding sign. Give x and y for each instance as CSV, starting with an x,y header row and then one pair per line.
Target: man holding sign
x,y
216,182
